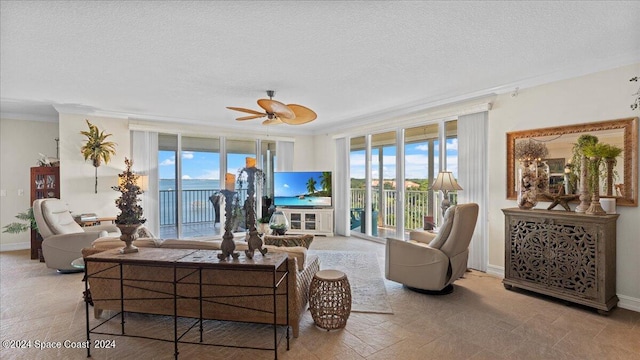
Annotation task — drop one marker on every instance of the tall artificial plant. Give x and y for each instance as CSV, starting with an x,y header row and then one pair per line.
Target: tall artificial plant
x,y
97,148
608,173
130,211
594,152
583,141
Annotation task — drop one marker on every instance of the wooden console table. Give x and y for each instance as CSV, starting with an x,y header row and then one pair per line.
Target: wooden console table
x,y
563,254
191,269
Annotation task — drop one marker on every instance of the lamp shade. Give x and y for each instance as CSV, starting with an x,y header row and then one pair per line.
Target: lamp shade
x,y
445,181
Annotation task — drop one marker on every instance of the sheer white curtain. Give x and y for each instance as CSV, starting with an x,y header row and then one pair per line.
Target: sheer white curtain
x,y
341,188
284,156
473,177
144,152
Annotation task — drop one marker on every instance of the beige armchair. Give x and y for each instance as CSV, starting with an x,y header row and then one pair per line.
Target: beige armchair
x,y
430,262
63,238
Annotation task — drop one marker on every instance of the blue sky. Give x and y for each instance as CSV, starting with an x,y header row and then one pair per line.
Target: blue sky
x,y
205,165
416,161
199,165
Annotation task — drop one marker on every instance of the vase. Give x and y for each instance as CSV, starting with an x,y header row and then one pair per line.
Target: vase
x,y
263,228
279,223
527,187
129,234
543,177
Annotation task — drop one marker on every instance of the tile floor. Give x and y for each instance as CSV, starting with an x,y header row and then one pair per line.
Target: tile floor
x,y
479,320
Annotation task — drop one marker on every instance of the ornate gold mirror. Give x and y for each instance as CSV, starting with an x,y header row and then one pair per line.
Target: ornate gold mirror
x,y
559,141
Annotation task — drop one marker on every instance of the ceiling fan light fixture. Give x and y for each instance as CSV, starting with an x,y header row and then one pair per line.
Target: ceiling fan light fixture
x,y
277,112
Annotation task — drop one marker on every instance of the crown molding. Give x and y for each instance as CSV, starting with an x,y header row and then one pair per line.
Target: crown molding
x,y
421,107
28,117
173,124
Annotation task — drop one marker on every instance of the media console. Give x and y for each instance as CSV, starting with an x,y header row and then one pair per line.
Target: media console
x,y
317,221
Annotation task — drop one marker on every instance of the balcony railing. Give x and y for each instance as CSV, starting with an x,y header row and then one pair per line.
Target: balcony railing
x,y
416,205
198,208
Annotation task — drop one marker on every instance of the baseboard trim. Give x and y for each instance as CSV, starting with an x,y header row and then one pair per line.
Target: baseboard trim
x,y
15,246
626,302
495,270
629,303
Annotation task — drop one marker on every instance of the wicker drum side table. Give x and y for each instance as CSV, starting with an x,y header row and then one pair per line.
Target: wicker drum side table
x,y
330,299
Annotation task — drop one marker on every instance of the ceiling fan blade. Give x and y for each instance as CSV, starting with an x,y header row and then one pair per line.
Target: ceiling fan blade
x,y
274,121
245,110
251,117
303,115
277,108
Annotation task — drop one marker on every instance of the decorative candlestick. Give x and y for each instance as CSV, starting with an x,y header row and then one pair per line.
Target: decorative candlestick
x,y
228,246
584,192
254,241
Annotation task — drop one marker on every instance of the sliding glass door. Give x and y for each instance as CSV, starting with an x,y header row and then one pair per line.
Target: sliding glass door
x,y
420,168
200,182
427,150
383,184
189,178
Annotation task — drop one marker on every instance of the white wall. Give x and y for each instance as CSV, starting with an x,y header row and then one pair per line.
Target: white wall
x,y
21,141
324,152
601,96
77,175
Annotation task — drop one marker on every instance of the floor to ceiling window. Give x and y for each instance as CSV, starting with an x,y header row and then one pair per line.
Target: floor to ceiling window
x,y
420,168
267,161
383,184
357,161
451,154
200,182
427,150
189,177
237,153
168,184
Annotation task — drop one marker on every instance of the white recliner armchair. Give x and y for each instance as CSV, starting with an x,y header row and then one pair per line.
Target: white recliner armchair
x,y
430,262
63,238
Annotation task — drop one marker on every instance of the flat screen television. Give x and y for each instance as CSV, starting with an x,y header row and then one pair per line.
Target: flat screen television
x,y
308,189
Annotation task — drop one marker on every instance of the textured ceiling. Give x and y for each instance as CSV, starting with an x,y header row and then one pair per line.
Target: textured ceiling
x,y
186,61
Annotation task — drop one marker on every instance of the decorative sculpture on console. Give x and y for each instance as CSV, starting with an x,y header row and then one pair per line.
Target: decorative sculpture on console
x,y
254,242
228,246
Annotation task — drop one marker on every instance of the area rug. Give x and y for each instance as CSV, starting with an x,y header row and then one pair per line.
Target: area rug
x,y
368,293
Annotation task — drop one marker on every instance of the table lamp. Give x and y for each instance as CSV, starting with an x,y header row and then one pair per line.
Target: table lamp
x,y
445,182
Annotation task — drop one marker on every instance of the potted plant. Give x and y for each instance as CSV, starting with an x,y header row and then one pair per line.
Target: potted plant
x,y
593,152
609,154
263,225
130,217
279,223
579,168
97,149
18,227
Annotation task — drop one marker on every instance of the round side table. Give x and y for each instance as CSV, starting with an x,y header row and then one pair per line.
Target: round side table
x,y
330,299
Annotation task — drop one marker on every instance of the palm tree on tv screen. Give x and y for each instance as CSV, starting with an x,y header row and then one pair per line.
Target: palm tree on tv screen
x,y
311,186
325,182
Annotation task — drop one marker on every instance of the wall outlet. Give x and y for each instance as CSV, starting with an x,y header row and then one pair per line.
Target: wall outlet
x,y
20,192
3,192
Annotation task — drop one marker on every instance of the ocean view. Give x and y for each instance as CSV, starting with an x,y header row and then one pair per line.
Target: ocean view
x,y
196,206
190,184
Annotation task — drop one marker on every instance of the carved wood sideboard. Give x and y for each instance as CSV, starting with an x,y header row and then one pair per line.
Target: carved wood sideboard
x,y
566,255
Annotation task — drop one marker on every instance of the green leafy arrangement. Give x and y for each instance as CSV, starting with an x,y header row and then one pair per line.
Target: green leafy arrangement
x,y
18,227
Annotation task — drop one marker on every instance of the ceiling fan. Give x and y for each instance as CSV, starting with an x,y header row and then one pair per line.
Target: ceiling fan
x,y
277,112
